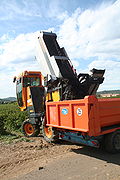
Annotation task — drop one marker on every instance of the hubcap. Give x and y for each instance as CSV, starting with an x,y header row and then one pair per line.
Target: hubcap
x,y
48,131
29,129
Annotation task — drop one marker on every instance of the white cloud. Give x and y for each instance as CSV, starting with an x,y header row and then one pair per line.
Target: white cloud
x,y
14,9
84,34
16,55
6,87
18,49
26,9
112,73
93,32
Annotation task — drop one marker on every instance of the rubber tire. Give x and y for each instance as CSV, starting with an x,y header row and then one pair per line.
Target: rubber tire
x,y
50,139
109,142
36,129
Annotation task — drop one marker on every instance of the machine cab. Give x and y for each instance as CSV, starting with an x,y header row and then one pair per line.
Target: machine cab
x,y
27,83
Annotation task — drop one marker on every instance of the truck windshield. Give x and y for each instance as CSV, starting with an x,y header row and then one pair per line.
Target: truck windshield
x,y
31,81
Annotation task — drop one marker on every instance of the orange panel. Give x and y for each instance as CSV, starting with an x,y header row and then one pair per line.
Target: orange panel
x,y
68,114
80,116
52,115
87,115
109,111
64,118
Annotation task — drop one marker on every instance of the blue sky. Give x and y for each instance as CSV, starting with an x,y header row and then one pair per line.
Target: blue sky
x,y
89,31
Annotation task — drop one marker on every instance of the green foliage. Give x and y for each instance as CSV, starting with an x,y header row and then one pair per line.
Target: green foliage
x,y
15,137
11,117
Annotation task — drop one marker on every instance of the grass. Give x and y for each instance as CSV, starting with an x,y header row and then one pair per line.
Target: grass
x,y
11,118
13,137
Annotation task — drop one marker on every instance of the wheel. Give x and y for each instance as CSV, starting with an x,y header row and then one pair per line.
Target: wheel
x,y
48,133
112,142
29,129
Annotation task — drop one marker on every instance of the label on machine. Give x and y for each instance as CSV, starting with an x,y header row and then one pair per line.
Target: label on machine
x,y
64,111
79,112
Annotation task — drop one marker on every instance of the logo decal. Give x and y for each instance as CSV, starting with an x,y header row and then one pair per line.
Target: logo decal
x,y
79,112
64,111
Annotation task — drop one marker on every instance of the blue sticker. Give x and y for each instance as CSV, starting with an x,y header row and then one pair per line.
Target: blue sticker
x,y
64,111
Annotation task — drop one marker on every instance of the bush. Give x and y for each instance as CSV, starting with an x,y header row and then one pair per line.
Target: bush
x,y
2,117
11,117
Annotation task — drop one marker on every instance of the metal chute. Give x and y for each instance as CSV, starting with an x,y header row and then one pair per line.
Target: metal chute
x,y
55,62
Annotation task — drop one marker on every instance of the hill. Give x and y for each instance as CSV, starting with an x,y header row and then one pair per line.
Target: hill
x,y
8,100
109,92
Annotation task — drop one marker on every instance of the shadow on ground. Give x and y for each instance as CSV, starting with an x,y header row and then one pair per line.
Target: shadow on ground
x,y
99,154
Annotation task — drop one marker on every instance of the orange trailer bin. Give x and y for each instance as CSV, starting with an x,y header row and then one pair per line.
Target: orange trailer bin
x,y
91,115
88,117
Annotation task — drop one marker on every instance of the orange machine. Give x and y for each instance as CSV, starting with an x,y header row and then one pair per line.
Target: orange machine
x,y
89,121
72,112
61,82
30,94
24,81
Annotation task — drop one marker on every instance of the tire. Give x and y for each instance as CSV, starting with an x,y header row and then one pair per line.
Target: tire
x,y
48,133
29,129
112,142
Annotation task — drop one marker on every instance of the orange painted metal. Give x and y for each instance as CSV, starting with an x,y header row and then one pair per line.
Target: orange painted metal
x,y
89,115
26,99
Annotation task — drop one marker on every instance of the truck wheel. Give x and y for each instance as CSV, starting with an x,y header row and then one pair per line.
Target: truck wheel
x,y
29,129
112,142
48,132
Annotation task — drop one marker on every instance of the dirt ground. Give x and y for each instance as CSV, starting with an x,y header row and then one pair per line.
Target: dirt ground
x,y
24,159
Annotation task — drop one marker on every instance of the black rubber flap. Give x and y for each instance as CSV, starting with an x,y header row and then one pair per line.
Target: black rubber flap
x,y
37,95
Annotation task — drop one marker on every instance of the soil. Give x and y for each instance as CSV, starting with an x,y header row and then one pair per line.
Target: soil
x,y
25,160
22,157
